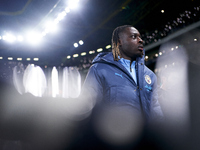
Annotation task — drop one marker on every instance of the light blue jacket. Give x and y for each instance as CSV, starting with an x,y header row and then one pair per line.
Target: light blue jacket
x,y
109,81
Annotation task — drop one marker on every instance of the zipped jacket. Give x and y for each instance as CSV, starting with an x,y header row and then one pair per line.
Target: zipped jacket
x,y
108,81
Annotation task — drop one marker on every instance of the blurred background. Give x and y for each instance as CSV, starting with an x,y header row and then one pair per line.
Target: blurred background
x,y
64,33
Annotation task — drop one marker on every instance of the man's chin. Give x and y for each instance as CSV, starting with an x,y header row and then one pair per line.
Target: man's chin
x,y
141,54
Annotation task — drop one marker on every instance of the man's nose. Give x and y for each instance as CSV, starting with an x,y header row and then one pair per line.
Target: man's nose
x,y
140,40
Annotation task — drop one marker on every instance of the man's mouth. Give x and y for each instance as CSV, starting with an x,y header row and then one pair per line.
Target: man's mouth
x,y
140,48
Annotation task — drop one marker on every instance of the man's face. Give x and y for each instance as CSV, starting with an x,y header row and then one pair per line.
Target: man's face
x,y
130,44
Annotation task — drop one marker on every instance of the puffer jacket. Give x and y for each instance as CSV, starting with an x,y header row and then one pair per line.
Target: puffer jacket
x,y
108,81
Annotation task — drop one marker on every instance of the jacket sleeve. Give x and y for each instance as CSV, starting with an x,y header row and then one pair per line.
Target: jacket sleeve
x,y
156,111
92,88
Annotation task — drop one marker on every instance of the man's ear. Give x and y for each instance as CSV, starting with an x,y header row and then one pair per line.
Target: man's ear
x,y
119,42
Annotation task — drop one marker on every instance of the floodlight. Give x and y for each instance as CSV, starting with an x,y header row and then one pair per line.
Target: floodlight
x,y
108,46
19,59
81,42
100,50
75,44
61,16
36,59
75,55
50,27
91,52
73,4
83,53
34,37
10,38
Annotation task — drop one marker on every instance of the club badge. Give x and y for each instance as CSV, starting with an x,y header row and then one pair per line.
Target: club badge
x,y
148,79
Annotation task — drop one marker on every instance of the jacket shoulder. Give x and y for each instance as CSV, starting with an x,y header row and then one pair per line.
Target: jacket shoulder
x,y
148,71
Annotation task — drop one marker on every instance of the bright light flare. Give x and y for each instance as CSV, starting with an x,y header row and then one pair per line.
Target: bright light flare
x,y
20,38
50,27
173,82
10,38
61,16
67,9
34,80
34,37
4,37
55,84
73,4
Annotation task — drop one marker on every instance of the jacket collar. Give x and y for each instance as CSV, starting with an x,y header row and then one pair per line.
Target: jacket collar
x,y
108,57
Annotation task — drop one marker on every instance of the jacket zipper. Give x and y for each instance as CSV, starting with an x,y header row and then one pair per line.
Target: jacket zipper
x,y
138,87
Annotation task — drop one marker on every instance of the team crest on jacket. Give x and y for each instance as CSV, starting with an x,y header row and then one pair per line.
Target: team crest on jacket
x,y
148,79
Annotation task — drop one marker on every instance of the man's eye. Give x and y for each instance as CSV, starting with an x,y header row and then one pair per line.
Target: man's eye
x,y
133,36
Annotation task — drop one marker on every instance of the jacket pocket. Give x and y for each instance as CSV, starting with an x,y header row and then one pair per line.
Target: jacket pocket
x,y
123,95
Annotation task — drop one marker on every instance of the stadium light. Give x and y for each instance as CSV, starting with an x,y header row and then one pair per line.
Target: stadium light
x,y
19,59
81,42
50,27
73,4
10,58
10,38
75,55
91,52
68,57
61,16
100,50
36,59
83,53
108,46
34,37
75,45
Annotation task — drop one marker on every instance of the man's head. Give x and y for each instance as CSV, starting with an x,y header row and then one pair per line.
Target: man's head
x,y
127,43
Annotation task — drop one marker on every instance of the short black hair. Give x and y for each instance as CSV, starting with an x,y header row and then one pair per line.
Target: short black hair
x,y
115,40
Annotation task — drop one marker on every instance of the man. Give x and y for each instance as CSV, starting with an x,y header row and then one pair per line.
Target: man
x,y
121,79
